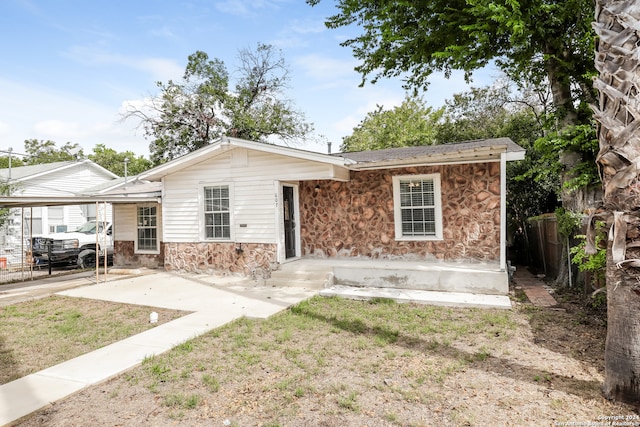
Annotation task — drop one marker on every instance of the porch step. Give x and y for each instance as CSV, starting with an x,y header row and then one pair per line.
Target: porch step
x,y
425,277
449,299
300,275
420,276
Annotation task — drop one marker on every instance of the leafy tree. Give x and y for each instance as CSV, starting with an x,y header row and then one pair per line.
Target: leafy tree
x,y
5,190
40,151
576,139
412,123
257,108
5,187
531,41
113,161
15,162
487,112
536,42
191,113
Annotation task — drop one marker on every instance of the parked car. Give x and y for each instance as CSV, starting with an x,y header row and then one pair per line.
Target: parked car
x,y
75,247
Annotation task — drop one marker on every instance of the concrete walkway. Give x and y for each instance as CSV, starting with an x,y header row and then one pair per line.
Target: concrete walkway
x,y
534,288
214,301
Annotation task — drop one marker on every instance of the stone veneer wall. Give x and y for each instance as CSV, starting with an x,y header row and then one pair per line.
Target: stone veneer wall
x,y
255,260
124,256
356,218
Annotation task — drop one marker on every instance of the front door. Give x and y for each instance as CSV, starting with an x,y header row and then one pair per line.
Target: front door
x,y
289,222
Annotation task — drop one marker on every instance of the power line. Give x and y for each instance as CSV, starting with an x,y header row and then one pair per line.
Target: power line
x,y
10,151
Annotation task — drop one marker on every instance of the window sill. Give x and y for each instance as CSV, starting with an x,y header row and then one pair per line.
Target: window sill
x,y
147,252
419,239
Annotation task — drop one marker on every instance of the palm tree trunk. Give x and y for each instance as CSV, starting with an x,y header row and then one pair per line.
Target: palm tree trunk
x,y
618,117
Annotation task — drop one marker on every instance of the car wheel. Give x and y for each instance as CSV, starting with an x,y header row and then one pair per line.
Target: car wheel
x,y
87,258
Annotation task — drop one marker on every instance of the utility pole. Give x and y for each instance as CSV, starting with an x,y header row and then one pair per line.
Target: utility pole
x,y
126,161
9,179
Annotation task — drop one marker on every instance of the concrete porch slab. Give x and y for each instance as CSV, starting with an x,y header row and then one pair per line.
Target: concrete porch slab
x,y
425,275
450,299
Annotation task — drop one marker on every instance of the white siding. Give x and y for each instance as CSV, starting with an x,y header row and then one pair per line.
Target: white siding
x,y
253,197
65,182
74,217
126,222
124,227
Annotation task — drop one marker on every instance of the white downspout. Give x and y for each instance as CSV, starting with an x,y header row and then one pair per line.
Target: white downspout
x,y
503,211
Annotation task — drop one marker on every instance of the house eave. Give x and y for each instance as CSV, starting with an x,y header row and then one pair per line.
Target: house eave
x,y
64,167
38,201
481,155
227,143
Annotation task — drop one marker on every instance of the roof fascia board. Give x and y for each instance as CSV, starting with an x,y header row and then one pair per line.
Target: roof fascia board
x,y
417,164
340,174
11,202
42,173
100,168
65,167
161,171
515,155
488,154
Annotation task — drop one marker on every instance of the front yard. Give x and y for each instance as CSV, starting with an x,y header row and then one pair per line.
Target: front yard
x,y
330,361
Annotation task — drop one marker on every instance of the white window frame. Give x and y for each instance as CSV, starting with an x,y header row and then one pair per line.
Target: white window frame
x,y
203,212
397,208
157,228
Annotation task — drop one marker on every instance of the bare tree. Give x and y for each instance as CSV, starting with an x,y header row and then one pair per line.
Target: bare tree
x,y
189,114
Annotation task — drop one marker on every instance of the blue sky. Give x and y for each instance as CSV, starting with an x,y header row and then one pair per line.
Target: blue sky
x,y
70,66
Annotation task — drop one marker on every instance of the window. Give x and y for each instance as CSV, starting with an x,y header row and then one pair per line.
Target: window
x,y
418,214
217,218
89,212
56,218
147,228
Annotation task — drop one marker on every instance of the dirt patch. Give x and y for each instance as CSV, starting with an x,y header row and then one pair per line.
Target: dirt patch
x,y
329,361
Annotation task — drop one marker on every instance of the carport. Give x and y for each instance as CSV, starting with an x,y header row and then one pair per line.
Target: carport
x,y
24,270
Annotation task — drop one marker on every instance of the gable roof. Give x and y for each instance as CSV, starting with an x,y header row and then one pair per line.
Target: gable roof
x,y
25,173
469,151
225,143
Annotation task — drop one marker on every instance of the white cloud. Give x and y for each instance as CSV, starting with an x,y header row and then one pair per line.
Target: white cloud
x,y
159,68
295,34
57,130
245,8
307,26
163,32
4,128
326,69
40,113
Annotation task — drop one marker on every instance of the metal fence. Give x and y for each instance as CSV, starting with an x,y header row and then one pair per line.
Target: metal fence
x,y
15,263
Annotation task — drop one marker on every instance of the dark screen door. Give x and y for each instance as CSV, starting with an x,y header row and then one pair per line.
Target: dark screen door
x,y
289,223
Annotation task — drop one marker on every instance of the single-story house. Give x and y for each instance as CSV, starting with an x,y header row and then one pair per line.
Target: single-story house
x,y
240,207
246,208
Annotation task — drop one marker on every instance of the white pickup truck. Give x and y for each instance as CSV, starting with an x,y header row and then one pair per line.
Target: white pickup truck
x,y
75,247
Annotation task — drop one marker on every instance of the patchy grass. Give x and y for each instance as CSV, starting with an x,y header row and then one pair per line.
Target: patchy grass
x,y
41,333
329,361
